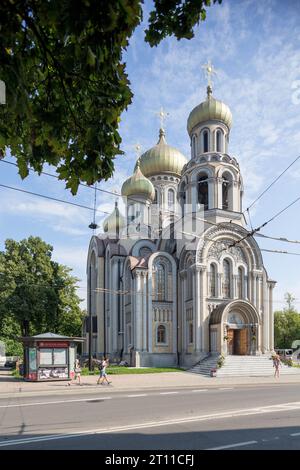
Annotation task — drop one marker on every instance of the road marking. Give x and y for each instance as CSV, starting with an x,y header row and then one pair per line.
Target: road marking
x,y
17,405
168,393
201,390
295,434
138,395
226,388
155,424
239,444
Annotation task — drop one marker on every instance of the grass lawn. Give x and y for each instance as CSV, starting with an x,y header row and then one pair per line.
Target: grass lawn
x,y
116,370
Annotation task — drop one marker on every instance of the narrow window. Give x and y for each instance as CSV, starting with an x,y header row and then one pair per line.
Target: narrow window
x,y
203,191
213,280
161,334
219,140
171,198
240,283
226,279
225,194
191,333
205,141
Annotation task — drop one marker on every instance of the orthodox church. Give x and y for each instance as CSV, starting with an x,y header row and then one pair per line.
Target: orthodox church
x,y
156,298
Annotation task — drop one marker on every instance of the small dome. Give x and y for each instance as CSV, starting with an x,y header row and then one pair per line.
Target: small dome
x,y
210,110
138,185
162,158
114,222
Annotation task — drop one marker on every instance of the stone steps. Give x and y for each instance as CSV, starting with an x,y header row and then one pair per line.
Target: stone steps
x,y
242,366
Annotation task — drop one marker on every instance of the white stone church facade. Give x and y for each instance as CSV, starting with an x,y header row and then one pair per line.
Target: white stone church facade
x,y
159,301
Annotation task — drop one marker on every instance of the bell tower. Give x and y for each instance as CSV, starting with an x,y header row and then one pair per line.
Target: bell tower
x,y
212,178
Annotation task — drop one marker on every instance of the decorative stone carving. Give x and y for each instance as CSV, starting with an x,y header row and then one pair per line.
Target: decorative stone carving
x,y
218,248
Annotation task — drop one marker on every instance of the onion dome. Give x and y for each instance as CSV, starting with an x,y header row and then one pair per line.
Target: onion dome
x,y
114,222
138,185
162,158
210,110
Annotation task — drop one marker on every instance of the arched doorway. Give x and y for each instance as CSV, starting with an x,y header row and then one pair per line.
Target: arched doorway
x,y
234,328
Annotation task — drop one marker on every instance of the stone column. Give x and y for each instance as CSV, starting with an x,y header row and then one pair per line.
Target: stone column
x,y
183,277
253,290
219,201
203,320
114,306
234,285
144,279
271,315
138,317
197,308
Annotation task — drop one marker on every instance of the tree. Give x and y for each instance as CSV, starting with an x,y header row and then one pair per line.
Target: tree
x,y
66,83
37,294
286,324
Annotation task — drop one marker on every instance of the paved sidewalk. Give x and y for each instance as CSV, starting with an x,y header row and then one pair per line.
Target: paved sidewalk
x,y
11,387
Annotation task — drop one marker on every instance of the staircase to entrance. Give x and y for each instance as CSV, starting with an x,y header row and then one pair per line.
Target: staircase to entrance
x,y
242,366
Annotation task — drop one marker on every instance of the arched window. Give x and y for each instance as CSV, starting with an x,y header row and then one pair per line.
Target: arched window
x,y
227,192
171,198
219,141
226,279
212,283
189,290
182,197
162,281
205,141
194,146
203,191
161,336
155,197
240,283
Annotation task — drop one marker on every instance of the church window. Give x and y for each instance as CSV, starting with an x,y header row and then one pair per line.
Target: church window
x,y
189,292
203,191
226,279
191,333
171,198
155,197
227,192
240,283
194,146
162,281
161,334
219,140
212,284
205,141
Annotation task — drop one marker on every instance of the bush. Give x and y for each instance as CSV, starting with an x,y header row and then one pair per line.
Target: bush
x,y
221,361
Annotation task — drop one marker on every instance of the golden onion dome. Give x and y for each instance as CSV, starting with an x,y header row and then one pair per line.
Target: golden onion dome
x,y
210,110
162,158
114,222
138,185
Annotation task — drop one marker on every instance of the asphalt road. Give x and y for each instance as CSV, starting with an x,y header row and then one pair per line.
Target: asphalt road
x,y
238,417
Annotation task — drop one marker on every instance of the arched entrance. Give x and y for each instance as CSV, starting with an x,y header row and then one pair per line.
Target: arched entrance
x,y
234,328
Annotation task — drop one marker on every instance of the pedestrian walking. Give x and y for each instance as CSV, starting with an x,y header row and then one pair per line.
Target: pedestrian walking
x,y
276,364
77,371
102,369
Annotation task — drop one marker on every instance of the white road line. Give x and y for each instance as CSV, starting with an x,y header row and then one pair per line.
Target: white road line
x,y
17,405
168,393
239,444
226,388
155,424
295,434
138,395
200,390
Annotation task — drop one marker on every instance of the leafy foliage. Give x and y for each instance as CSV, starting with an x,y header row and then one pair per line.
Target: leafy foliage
x,y
286,324
37,294
176,17
61,61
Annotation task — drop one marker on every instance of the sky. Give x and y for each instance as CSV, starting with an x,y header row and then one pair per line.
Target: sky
x,y
255,48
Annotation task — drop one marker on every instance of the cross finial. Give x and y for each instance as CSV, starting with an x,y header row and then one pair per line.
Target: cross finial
x,y
209,72
138,149
162,116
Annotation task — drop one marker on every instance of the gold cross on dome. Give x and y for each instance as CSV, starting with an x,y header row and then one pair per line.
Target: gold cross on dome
x,y
138,149
209,72
162,116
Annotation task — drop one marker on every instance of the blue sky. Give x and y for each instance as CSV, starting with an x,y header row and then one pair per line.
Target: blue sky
x,y
254,46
